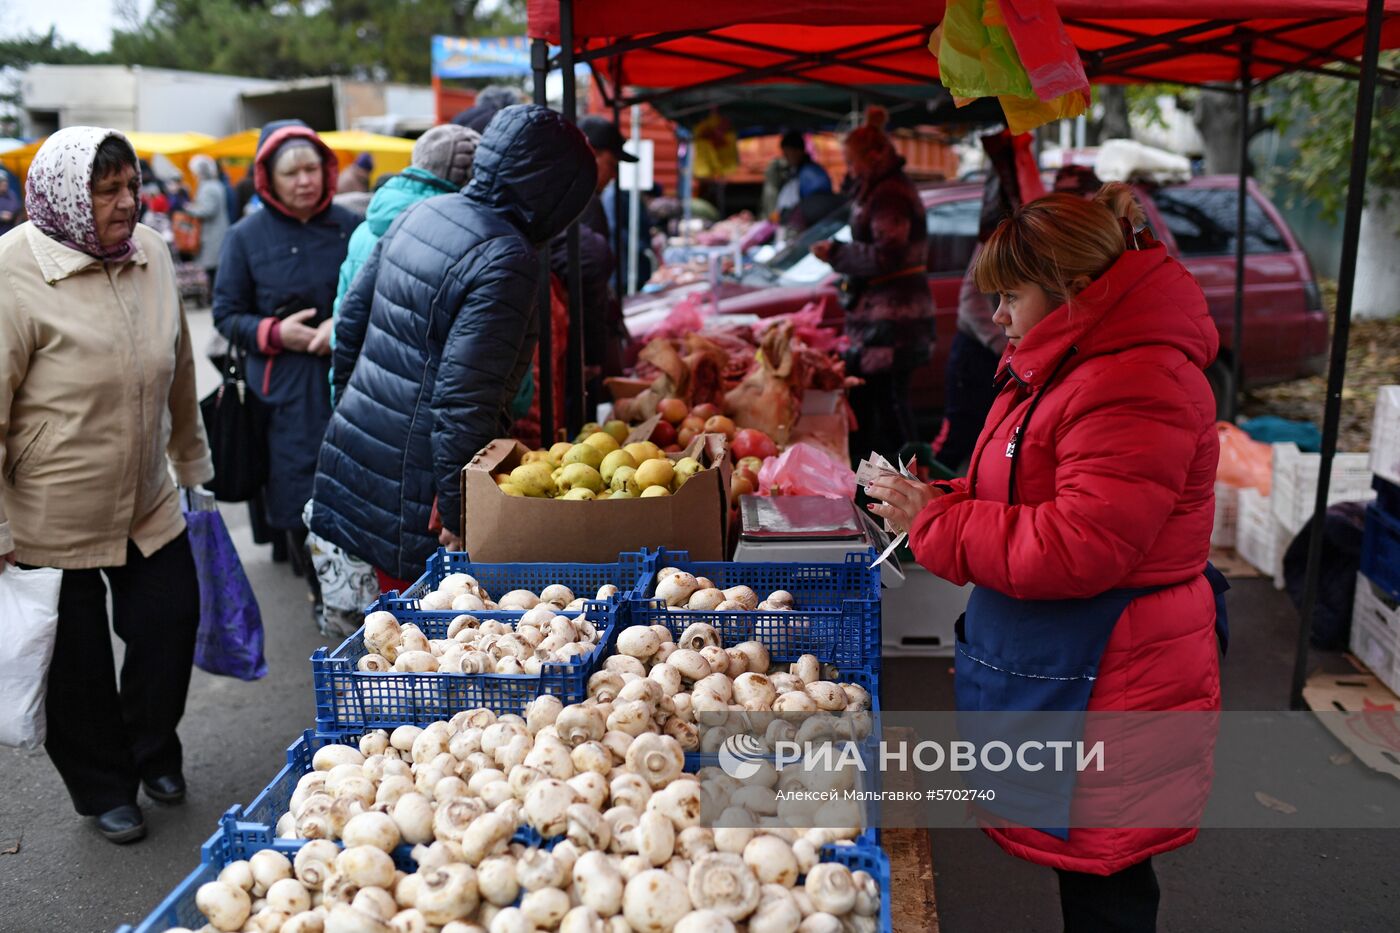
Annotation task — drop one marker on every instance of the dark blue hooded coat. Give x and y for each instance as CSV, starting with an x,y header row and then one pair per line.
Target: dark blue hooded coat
x,y
273,264
435,335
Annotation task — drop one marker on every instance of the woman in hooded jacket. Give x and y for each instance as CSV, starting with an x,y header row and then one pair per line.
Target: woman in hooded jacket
x,y
276,288
434,337
210,206
1085,523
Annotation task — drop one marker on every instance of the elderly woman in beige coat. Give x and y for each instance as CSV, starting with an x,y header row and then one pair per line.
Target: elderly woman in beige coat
x,y
97,407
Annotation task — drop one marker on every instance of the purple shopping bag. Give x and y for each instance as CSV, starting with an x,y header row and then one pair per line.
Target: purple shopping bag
x,y
230,640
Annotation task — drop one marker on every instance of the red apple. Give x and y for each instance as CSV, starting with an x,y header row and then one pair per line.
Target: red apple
x,y
748,475
685,435
719,424
752,464
750,442
739,486
671,449
696,425
664,433
705,411
672,409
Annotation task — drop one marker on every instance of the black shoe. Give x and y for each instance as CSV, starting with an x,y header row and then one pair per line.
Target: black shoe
x,y
123,824
168,788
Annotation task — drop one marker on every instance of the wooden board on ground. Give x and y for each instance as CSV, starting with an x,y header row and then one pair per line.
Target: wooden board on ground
x,y
1232,565
912,905
1364,716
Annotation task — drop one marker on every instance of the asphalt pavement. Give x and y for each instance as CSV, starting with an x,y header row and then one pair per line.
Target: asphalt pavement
x,y
57,874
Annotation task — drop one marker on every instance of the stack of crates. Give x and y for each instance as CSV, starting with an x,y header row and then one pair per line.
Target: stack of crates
x,y
1375,623
836,618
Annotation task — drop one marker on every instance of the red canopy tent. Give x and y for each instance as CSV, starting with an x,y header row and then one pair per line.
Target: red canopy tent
x,y
648,50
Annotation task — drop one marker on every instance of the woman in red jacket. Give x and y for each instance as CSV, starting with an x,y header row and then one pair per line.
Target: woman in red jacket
x,y
1092,484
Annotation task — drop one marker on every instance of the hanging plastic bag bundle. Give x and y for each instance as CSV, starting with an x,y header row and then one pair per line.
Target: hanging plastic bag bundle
x,y
28,629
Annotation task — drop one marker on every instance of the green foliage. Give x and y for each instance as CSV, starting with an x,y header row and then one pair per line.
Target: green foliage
x,y
1144,103
302,38
1320,114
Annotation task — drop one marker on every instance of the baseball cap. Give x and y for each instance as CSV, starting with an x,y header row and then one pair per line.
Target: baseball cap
x,y
604,137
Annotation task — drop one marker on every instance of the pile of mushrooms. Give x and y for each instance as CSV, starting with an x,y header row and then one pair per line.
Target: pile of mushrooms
x,y
692,882
723,691
606,777
473,646
460,592
684,591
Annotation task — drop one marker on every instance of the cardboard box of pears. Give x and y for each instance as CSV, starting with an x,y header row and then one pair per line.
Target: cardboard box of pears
x,y
588,501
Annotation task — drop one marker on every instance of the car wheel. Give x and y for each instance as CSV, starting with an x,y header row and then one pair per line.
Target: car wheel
x,y
1222,385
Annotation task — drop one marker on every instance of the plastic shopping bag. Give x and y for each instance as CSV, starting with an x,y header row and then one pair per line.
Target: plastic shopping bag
x,y
807,470
230,640
1244,462
348,584
28,628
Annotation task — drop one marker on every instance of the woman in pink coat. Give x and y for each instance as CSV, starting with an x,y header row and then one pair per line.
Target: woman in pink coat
x,y
1092,483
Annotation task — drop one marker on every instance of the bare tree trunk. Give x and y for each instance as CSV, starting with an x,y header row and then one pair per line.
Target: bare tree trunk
x,y
1217,117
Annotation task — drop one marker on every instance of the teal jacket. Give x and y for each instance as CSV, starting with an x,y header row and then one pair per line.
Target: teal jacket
x,y
394,197
397,195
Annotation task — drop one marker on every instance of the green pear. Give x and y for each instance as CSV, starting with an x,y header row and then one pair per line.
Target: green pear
x,y
533,479
618,429
623,480
686,467
584,453
579,494
618,458
580,476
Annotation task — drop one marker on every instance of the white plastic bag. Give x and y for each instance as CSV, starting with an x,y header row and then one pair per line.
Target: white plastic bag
x,y
28,629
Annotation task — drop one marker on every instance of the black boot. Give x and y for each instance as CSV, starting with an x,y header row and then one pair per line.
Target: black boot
x,y
122,824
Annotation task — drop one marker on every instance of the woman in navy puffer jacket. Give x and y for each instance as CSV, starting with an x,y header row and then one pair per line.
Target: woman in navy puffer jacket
x,y
434,337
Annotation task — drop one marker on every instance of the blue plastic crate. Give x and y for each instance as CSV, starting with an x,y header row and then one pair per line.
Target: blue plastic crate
x,y
626,573
231,843
837,618
1380,549
1387,496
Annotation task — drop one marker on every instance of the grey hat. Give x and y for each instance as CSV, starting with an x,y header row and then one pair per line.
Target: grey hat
x,y
448,152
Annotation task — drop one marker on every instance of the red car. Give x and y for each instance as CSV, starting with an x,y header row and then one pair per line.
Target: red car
x,y
1285,325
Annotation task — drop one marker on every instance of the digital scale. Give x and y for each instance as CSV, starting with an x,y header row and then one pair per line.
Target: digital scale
x,y
918,609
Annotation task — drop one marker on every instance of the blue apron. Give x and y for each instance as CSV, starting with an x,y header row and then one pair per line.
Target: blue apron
x,y
1024,672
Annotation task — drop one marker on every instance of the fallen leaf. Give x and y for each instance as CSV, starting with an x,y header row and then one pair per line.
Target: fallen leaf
x,y
1341,758
1273,803
12,848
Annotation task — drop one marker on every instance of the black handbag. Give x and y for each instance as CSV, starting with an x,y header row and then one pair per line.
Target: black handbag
x,y
235,420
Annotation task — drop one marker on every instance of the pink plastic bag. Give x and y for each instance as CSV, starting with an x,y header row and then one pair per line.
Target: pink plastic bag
x,y
807,470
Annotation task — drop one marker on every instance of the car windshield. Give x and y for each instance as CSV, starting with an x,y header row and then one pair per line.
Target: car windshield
x,y
794,264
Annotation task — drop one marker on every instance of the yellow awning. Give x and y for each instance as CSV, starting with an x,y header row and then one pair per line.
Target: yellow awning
x,y
177,147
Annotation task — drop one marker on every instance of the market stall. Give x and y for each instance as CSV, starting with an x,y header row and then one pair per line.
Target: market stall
x,y
540,736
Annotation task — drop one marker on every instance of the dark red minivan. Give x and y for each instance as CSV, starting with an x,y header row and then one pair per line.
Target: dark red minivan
x,y
1285,327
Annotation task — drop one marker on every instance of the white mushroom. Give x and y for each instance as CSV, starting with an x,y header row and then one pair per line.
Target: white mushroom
x,y
721,881
239,874
342,918
544,908
806,669
226,906
654,902
598,884
447,893
381,632
658,759
777,911
704,600
557,595
314,862
699,635
772,861
754,691
371,829
496,881
704,921
518,601
638,641
831,888
742,595
413,817
329,756
676,589
655,838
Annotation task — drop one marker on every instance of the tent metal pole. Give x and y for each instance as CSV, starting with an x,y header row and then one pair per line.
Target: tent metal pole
x,y
619,276
539,61
1341,331
1242,200
576,401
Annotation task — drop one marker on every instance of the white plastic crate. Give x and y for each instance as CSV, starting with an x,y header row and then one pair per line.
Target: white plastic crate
x,y
1385,435
1295,483
1260,539
1375,632
1227,515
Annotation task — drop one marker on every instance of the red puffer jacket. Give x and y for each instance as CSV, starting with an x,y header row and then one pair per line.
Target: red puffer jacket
x,y
1114,488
